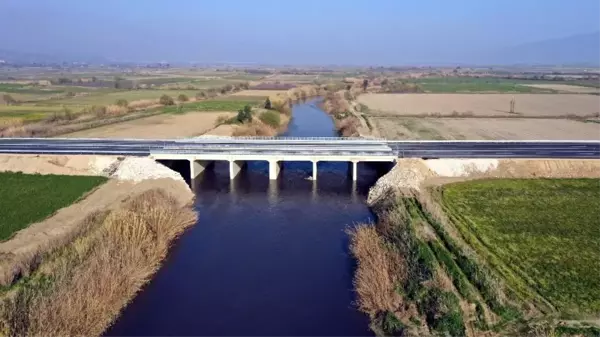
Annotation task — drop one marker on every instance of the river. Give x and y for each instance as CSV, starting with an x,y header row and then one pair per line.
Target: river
x,y
266,257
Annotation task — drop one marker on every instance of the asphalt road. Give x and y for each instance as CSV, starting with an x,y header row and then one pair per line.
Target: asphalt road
x,y
324,146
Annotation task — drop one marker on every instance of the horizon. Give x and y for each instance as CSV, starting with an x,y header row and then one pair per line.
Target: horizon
x,y
381,32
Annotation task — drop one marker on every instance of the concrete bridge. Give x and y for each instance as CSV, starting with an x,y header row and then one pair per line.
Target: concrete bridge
x,y
203,152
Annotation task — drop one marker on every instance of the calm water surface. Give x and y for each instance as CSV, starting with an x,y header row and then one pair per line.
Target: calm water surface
x,y
265,258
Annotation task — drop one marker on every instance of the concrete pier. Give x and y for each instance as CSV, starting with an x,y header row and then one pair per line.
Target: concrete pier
x,y
235,166
314,170
199,166
274,169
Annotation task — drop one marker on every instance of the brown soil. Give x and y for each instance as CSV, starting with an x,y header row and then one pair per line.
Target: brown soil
x,y
485,128
565,88
482,104
31,164
161,126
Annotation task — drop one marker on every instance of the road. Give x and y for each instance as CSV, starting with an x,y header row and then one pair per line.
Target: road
x,y
321,146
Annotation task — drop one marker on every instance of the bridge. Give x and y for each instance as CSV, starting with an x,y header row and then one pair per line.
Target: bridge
x,y
203,152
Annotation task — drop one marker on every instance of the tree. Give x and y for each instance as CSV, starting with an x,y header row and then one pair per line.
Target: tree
x,y
385,82
166,100
245,115
182,98
268,104
365,84
200,95
8,99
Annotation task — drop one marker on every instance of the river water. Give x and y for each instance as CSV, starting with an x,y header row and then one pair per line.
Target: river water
x,y
266,257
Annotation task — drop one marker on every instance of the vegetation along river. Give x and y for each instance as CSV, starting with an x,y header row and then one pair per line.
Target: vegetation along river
x,y
265,258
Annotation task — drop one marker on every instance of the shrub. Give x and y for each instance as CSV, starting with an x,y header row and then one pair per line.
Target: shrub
x,y
8,99
166,100
98,110
182,98
201,95
268,104
122,102
271,118
244,115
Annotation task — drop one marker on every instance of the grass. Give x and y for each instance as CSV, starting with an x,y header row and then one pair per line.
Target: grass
x,y
25,199
547,230
80,288
484,84
210,105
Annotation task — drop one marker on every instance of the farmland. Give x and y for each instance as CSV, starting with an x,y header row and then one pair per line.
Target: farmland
x,y
485,128
486,105
160,126
483,116
491,84
547,231
25,199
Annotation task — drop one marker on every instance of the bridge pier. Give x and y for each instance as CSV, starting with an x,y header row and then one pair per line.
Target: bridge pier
x,y
235,166
274,169
314,170
198,166
354,167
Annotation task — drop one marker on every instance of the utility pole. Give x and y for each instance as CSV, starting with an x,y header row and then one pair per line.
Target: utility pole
x,y
512,105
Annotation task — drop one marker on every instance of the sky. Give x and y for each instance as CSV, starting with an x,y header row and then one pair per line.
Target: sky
x,y
358,32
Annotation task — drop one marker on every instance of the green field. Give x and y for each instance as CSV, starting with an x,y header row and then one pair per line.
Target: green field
x,y
483,84
26,199
545,230
211,105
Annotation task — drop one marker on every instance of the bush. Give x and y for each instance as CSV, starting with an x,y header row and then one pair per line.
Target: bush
x,y
268,104
122,103
98,110
8,99
201,95
271,118
244,115
166,100
182,98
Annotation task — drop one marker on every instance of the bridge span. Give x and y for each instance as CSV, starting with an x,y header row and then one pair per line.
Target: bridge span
x,y
202,152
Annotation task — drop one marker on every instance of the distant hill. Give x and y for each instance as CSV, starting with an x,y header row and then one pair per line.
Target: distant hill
x,y
576,49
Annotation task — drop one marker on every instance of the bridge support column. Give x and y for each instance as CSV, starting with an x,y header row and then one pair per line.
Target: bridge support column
x,y
235,166
198,166
354,170
314,171
274,168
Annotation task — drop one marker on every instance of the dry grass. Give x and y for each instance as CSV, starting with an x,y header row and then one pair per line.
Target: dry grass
x,y
79,290
379,272
258,93
527,105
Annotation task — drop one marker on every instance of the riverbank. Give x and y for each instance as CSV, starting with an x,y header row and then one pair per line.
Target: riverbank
x,y
424,268
73,272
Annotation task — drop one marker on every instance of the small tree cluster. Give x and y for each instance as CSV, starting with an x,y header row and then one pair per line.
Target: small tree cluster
x,y
166,100
244,115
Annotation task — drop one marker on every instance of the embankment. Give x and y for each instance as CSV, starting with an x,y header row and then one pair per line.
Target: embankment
x,y
421,271
73,272
346,113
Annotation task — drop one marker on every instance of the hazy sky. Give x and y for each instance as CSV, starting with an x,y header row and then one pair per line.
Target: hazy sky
x,y
283,31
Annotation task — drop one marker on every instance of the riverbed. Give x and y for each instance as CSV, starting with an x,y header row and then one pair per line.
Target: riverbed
x,y
266,257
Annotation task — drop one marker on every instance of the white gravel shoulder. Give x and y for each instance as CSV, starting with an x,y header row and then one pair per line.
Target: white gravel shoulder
x,y
139,169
